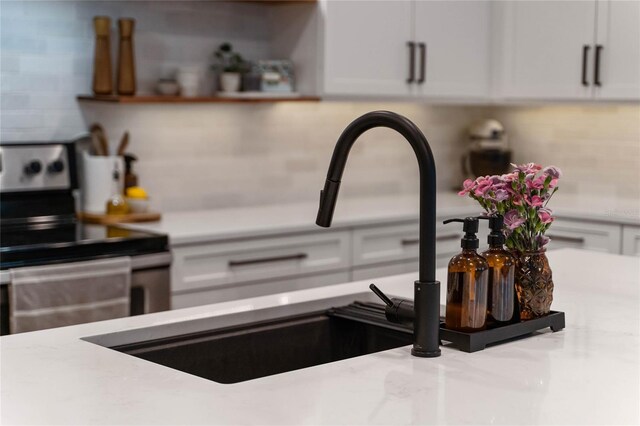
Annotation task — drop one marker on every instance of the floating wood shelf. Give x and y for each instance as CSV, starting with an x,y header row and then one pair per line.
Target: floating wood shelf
x,y
157,99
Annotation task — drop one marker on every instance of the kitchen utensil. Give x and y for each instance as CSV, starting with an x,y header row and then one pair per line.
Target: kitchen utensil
x,y
102,83
126,63
124,143
97,130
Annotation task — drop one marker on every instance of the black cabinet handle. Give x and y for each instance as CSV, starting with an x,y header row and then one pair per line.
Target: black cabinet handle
x,y
576,240
423,62
412,61
410,242
596,71
585,59
297,256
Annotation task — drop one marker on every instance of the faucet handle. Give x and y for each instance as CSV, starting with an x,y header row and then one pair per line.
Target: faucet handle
x,y
399,311
381,295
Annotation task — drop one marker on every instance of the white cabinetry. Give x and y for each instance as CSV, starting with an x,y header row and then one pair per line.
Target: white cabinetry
x,y
619,35
570,49
631,240
435,49
366,47
605,237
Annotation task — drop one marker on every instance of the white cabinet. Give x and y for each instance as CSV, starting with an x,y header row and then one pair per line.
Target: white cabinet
x,y
565,233
366,50
221,264
585,49
456,39
631,240
619,35
436,49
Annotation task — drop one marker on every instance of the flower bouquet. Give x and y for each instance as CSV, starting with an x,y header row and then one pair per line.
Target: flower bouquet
x,y
522,197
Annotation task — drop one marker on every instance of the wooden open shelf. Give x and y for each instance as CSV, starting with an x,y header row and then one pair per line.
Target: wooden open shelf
x,y
157,99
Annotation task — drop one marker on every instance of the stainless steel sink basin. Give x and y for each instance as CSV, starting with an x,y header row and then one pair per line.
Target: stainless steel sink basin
x,y
243,352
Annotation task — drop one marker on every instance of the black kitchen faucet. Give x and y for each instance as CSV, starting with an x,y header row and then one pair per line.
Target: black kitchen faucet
x,y
425,314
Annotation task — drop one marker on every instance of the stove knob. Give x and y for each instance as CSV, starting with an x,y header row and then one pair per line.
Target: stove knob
x,y
55,166
33,167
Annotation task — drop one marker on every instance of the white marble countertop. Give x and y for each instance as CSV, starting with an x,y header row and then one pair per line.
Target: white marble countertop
x,y
211,225
586,374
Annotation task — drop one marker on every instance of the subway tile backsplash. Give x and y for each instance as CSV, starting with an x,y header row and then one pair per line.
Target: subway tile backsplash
x,y
221,155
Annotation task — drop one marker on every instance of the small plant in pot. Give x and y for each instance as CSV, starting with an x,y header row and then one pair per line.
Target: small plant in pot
x,y
230,65
522,197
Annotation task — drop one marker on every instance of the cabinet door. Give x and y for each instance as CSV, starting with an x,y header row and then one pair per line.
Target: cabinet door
x,y
366,50
543,47
619,36
457,54
631,240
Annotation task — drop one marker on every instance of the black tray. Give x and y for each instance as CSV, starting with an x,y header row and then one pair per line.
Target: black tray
x,y
478,340
373,313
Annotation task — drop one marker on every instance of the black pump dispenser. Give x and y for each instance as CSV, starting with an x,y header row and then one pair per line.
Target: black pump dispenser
x,y
470,240
496,223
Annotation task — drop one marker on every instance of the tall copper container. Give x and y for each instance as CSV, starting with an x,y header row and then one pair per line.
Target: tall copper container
x,y
102,83
126,65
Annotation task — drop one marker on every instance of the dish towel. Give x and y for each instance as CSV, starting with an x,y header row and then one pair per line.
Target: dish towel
x,y
58,295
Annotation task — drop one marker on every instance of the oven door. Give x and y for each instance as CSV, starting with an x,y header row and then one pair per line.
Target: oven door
x,y
150,287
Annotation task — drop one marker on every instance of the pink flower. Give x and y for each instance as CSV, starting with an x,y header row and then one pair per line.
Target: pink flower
x,y
534,201
509,177
553,183
484,185
467,186
533,182
501,195
527,168
542,240
552,171
545,215
512,219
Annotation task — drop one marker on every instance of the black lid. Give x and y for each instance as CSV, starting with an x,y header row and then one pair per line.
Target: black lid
x,y
496,223
470,227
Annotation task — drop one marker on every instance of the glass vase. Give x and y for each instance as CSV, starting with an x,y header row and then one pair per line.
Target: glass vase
x,y
533,283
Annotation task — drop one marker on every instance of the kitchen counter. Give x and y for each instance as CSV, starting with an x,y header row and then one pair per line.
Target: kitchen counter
x,y
586,374
212,225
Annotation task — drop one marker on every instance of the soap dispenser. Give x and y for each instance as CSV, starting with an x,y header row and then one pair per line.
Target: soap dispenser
x,y
467,282
502,265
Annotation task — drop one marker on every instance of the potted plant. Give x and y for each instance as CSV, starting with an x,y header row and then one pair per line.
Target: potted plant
x,y
230,65
522,197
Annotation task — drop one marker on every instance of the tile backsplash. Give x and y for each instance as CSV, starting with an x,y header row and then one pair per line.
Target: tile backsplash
x,y
214,155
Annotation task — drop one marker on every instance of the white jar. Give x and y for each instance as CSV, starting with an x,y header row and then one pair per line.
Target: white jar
x,y
190,80
230,82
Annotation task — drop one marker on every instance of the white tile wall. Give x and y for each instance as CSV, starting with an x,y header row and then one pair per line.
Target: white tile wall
x,y
203,156
597,146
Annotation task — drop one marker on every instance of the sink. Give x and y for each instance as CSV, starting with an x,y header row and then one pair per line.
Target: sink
x,y
244,352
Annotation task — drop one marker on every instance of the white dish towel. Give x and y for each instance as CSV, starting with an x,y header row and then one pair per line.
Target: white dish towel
x,y
73,293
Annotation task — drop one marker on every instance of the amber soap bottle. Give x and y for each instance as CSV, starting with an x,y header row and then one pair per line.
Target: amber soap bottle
x,y
467,282
502,265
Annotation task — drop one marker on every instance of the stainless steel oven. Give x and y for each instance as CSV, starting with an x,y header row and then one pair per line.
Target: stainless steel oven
x,y
38,227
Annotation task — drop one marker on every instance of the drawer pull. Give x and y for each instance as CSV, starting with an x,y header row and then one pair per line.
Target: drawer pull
x,y
577,240
448,237
410,242
297,256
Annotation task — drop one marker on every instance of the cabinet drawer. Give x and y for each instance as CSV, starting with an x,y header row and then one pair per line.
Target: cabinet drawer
x,y
372,272
244,291
220,264
565,233
631,240
400,242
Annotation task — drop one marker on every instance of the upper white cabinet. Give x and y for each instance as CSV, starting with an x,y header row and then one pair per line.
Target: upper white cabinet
x,y
366,51
456,39
618,36
570,49
437,49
